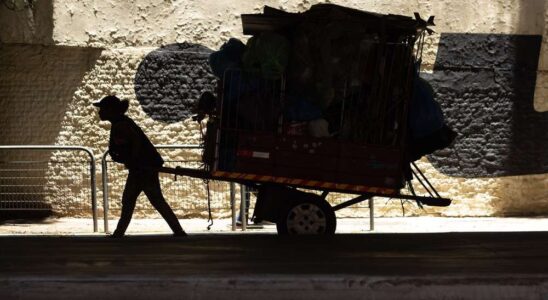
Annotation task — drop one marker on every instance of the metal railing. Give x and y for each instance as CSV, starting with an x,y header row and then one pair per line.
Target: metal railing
x,y
232,189
92,169
185,189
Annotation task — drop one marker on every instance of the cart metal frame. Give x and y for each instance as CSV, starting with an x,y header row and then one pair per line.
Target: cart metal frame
x,y
377,168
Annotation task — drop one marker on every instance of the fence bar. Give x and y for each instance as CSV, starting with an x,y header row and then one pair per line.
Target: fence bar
x,y
371,214
73,148
233,204
243,217
104,175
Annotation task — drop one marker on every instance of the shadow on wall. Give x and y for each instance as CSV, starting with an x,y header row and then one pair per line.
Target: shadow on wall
x,y
37,84
23,24
485,84
171,79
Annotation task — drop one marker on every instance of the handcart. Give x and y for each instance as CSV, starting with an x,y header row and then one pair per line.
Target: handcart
x,y
261,133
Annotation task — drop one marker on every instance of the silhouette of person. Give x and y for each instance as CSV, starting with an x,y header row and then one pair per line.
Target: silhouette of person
x,y
130,146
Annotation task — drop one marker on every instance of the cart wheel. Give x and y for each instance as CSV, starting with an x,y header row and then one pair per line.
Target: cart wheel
x,y
307,216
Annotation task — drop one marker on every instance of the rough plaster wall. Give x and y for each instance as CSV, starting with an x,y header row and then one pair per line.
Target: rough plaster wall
x,y
170,80
485,85
154,23
37,83
29,26
541,92
132,29
148,23
115,24
114,73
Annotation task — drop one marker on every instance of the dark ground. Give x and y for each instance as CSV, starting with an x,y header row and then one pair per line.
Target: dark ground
x,y
495,259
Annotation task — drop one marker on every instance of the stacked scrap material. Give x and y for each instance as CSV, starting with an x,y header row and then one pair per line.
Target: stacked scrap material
x,y
347,74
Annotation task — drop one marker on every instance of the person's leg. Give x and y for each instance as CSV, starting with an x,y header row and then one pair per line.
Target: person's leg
x,y
129,198
154,193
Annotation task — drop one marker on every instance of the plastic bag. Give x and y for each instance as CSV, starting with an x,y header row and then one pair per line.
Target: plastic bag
x,y
268,54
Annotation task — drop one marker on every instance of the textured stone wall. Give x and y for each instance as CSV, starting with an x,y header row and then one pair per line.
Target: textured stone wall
x,y
154,55
170,80
37,85
155,87
27,25
485,84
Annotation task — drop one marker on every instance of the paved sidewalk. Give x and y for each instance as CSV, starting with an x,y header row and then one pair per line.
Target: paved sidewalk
x,y
73,226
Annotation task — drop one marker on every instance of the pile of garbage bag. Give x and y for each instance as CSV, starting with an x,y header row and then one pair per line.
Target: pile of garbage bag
x,y
345,74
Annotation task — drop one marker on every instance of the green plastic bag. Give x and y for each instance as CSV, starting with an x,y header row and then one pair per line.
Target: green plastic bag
x,y
267,54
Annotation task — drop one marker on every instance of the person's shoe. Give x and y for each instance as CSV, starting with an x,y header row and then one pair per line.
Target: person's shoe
x,y
180,234
116,235
263,222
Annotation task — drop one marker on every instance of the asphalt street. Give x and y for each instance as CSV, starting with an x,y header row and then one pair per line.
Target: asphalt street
x,y
503,261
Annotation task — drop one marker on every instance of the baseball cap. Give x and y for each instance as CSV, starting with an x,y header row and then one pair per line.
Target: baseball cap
x,y
112,101
108,101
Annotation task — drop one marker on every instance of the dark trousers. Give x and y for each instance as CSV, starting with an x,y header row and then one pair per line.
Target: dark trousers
x,y
145,181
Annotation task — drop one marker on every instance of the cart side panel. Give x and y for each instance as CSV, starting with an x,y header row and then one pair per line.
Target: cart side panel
x,y
318,159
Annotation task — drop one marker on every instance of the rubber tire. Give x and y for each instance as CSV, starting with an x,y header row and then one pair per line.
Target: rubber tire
x,y
331,219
